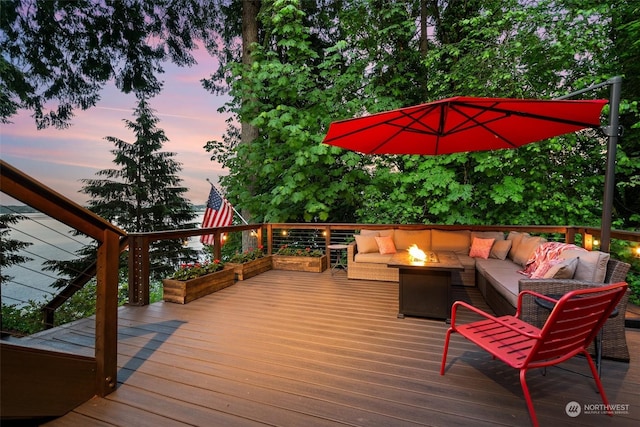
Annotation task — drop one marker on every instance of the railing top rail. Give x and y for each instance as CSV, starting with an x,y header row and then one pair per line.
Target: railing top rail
x,y
37,195
181,234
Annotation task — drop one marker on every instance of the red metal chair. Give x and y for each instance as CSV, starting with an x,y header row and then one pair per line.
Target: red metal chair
x,y
572,325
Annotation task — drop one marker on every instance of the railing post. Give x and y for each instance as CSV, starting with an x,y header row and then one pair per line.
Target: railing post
x,y
259,236
107,313
217,247
138,270
269,239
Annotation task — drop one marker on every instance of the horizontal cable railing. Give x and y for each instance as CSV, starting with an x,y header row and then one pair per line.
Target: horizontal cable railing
x,y
43,242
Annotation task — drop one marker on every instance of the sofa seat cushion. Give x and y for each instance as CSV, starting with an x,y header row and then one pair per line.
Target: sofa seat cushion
x,y
374,257
503,276
467,261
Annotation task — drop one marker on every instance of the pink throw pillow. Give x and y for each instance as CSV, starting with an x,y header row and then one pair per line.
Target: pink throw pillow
x,y
481,248
386,245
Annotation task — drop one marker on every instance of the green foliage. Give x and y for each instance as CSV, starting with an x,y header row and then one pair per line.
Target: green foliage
x,y
289,250
248,255
188,271
28,319
370,62
10,248
304,76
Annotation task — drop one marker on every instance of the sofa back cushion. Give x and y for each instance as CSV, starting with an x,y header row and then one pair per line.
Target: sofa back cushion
x,y
515,237
384,232
406,238
592,265
453,241
497,235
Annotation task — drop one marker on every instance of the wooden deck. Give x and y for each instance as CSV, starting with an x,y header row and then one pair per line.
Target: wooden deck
x,y
306,349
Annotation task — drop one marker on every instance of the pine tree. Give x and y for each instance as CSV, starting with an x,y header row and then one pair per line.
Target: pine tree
x,y
144,193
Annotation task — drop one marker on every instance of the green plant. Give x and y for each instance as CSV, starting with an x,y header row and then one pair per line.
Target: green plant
x,y
192,270
248,255
292,251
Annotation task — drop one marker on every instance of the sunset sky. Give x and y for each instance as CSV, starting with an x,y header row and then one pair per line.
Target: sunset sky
x,y
61,158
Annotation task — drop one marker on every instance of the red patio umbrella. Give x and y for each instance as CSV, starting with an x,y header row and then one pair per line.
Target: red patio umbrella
x,y
463,124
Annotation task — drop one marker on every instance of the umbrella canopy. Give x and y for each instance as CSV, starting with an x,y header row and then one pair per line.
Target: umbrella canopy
x,y
463,124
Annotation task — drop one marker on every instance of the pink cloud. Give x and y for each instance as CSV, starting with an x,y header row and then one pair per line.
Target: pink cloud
x,y
61,158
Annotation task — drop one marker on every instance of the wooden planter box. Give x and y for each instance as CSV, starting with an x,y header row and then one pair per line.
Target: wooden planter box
x,y
300,263
252,268
184,291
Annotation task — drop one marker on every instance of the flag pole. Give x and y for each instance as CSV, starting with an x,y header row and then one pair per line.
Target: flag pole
x,y
232,207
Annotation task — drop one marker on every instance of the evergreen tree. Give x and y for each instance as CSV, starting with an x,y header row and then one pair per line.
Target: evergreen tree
x,y
9,255
145,193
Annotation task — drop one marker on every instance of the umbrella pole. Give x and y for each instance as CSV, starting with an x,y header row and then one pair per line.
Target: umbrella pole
x,y
613,132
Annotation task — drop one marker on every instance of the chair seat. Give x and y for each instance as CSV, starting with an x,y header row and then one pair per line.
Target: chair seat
x,y
506,344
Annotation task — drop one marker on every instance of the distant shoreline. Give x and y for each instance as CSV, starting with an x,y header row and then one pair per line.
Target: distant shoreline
x,y
23,209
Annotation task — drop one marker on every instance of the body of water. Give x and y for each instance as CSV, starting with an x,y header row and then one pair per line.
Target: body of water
x,y
50,240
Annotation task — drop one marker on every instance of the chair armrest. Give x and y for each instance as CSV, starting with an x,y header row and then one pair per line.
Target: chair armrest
x,y
352,250
616,271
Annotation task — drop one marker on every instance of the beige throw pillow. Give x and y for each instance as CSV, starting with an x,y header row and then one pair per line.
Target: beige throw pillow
x,y
526,248
500,249
515,237
366,244
563,270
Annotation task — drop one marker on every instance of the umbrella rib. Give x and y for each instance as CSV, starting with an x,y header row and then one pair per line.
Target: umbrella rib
x,y
407,128
529,115
482,124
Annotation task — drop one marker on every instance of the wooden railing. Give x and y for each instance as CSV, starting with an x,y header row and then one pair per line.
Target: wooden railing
x,y
37,195
323,234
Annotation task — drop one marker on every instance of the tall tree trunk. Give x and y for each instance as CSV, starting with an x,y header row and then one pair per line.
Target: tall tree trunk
x,y
248,132
423,28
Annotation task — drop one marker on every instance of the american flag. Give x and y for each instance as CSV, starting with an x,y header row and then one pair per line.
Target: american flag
x,y
219,213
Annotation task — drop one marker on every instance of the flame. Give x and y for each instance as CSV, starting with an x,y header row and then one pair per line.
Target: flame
x,y
417,254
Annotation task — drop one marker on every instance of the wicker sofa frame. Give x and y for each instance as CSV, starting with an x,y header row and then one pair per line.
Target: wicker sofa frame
x,y
614,344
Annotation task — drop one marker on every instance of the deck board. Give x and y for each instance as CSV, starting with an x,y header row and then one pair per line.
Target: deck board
x,y
292,349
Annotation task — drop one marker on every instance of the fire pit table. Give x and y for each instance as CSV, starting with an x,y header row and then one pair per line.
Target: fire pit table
x,y
425,286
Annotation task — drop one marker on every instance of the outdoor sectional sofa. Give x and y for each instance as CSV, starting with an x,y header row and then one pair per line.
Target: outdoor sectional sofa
x,y
495,261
